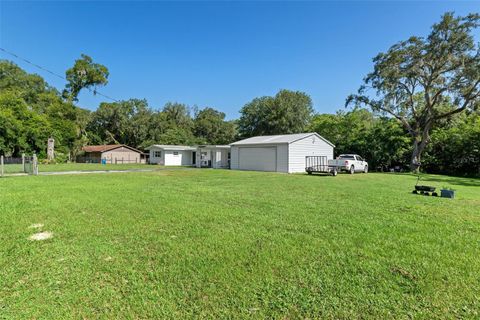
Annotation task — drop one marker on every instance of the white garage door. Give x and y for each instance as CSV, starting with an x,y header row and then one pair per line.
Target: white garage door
x,y
257,159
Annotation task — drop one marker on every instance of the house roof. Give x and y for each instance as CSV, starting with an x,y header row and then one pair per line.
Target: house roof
x,y
283,138
214,146
171,147
107,147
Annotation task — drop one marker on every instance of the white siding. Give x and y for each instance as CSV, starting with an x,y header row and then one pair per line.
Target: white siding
x,y
234,158
218,157
282,157
178,158
221,158
168,158
309,146
156,160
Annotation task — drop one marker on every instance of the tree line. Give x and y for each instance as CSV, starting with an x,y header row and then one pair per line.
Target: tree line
x,y
418,106
454,146
31,111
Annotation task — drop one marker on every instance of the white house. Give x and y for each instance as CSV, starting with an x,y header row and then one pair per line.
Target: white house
x,y
280,153
169,155
213,156
203,156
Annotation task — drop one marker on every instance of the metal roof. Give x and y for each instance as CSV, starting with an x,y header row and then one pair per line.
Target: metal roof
x,y
107,147
172,147
283,138
214,146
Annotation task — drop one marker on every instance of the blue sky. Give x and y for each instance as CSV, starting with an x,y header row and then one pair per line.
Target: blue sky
x,y
218,54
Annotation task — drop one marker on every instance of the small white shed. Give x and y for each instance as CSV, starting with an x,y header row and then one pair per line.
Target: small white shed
x,y
169,155
280,153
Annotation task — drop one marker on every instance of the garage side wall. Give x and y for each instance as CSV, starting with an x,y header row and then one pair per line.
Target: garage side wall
x,y
282,158
234,158
309,146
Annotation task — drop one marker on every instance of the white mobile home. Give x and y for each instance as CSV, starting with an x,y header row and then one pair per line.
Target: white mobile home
x,y
280,153
168,155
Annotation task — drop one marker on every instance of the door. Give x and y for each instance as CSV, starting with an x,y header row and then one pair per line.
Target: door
x,y
194,158
257,159
360,164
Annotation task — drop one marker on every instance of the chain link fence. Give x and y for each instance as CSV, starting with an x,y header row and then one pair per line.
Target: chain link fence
x,y
122,160
10,166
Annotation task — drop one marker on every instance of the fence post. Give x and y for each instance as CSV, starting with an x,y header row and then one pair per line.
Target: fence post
x,y
1,166
35,165
23,162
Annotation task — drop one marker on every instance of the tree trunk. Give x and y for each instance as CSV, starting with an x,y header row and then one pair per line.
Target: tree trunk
x,y
419,144
416,156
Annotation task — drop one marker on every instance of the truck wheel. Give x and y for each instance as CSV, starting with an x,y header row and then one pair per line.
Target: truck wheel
x,y
352,170
334,172
309,172
365,170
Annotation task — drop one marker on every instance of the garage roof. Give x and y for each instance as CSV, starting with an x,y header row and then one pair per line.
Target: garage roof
x,y
283,138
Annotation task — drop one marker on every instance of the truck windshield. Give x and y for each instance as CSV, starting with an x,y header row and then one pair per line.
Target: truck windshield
x,y
347,157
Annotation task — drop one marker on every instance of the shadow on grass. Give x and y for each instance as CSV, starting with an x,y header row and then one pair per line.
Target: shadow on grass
x,y
459,181
317,174
468,182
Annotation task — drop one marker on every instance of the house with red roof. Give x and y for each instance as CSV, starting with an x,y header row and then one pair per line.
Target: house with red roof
x,y
111,153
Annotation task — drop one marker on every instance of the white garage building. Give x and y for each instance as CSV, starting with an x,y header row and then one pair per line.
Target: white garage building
x,y
280,153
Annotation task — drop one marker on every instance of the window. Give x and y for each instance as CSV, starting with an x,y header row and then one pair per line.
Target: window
x,y
157,154
346,157
175,153
359,158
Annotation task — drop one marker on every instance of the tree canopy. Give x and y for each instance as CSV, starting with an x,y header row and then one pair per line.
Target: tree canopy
x,y
209,126
423,100
286,112
31,111
84,74
421,81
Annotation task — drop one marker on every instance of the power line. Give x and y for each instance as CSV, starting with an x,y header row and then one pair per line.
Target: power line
x,y
94,91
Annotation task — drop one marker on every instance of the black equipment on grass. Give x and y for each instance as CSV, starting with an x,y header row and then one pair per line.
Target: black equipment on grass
x,y
425,190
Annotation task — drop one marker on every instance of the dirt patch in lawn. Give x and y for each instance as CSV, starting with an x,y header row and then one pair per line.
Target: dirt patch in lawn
x,y
41,236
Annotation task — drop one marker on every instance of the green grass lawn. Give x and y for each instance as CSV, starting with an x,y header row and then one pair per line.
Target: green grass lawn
x,y
230,244
92,167
12,168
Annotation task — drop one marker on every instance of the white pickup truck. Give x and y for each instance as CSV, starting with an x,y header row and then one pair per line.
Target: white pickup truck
x,y
349,162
